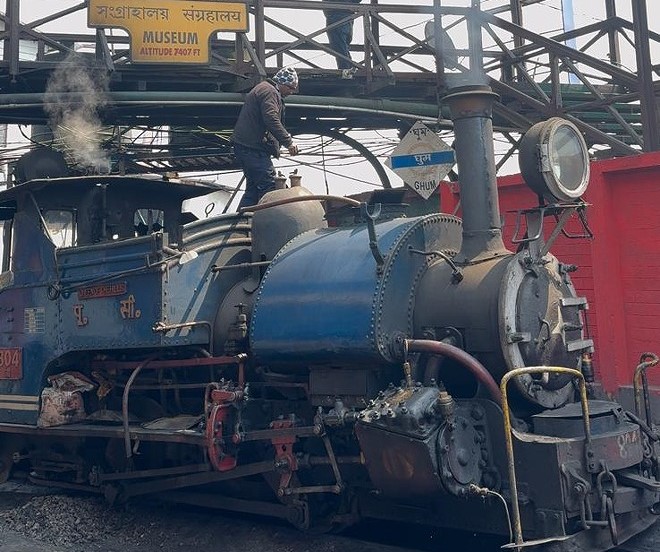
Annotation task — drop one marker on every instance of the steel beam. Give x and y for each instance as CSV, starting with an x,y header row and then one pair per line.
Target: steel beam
x,y
518,41
645,75
624,77
613,34
260,32
475,43
437,46
11,49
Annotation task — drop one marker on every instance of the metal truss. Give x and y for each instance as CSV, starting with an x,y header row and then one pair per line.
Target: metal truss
x,y
400,75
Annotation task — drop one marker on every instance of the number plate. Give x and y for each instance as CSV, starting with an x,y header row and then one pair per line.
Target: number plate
x,y
11,363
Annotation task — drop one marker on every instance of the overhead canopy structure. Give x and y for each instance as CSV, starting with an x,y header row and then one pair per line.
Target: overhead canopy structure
x,y
401,73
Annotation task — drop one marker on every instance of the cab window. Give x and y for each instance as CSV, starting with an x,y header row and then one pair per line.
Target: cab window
x,y
147,221
61,227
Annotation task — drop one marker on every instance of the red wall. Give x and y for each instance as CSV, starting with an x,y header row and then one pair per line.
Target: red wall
x,y
619,268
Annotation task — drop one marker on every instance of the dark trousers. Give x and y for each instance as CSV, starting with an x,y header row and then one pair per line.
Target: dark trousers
x,y
339,40
259,173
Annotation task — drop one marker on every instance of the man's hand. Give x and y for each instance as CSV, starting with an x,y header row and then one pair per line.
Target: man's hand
x,y
293,149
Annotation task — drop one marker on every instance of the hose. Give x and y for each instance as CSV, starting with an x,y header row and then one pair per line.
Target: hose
x,y
477,369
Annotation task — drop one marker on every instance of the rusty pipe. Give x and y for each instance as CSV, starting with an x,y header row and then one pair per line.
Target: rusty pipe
x,y
124,406
477,369
641,386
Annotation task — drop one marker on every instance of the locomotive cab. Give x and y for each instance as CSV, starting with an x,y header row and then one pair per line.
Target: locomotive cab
x,y
81,211
78,252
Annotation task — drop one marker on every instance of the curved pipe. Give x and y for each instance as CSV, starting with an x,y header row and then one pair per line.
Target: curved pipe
x,y
641,386
468,361
124,406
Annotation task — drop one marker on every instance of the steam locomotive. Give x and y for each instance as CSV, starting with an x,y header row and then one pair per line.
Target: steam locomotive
x,y
264,361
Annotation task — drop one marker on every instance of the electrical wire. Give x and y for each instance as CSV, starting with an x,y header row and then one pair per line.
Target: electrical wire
x,y
325,173
315,167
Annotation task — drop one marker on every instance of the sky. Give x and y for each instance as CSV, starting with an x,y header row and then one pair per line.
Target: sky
x,y
342,171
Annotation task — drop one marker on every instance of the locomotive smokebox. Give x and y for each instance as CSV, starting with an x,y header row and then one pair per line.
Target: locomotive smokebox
x,y
508,310
471,111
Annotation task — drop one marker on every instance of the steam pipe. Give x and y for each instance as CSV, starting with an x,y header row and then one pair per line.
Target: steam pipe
x,y
120,99
477,369
471,110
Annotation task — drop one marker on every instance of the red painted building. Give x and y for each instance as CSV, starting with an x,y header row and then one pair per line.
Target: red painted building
x,y
619,268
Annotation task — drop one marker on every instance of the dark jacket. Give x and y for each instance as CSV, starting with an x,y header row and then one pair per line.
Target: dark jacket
x,y
259,123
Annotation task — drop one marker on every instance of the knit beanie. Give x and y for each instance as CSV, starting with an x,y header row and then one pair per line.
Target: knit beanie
x,y
287,76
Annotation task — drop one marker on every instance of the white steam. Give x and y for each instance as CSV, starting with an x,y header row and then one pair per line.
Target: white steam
x,y
74,94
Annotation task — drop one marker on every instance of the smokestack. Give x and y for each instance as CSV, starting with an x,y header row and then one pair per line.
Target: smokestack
x,y
472,111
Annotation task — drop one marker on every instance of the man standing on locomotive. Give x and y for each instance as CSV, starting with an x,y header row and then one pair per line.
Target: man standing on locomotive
x,y
260,131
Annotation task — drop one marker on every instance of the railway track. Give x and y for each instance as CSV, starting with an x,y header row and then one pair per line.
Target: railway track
x,y
42,519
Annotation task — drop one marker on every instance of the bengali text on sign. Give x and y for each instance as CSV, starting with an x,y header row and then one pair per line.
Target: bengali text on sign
x,y
169,31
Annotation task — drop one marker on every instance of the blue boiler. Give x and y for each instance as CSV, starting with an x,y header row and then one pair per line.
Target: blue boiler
x,y
325,300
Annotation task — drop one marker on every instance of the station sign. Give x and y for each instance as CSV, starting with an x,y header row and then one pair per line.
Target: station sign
x,y
169,31
422,159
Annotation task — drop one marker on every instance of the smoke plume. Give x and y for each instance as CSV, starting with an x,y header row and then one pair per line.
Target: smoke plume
x,y
75,93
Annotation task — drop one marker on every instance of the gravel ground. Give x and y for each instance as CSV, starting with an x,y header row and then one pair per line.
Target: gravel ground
x,y
34,519
38,519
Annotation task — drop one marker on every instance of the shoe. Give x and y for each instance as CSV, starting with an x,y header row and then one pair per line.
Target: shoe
x,y
348,73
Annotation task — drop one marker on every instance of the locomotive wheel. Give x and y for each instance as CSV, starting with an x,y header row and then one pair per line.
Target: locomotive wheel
x,y
297,514
305,515
319,514
316,514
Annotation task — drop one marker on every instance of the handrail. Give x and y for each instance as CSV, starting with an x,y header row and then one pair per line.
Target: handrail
x,y
508,432
374,14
